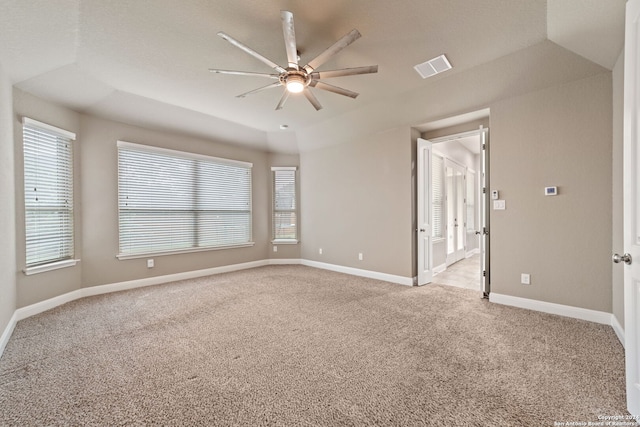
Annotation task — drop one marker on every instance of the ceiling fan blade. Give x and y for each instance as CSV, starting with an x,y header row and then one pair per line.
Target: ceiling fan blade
x,y
312,99
284,98
245,73
289,38
260,89
332,50
317,75
334,89
251,52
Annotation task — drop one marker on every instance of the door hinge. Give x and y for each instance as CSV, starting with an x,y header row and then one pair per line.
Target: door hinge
x,y
484,190
484,146
484,273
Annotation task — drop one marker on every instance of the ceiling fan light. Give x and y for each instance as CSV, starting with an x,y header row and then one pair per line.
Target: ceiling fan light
x,y
295,83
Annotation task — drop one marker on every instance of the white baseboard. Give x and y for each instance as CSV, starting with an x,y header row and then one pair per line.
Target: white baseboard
x,y
439,268
157,280
4,339
400,280
37,308
285,261
561,310
617,328
472,252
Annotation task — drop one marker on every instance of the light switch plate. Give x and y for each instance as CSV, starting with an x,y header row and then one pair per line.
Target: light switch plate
x,y
499,205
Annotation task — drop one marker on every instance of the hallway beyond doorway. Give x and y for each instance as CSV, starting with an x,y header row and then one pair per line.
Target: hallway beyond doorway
x,y
463,274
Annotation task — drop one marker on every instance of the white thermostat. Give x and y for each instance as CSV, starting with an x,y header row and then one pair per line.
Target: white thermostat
x,y
495,195
550,191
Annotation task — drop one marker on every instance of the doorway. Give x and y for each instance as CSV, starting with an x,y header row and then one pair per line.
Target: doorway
x,y
452,210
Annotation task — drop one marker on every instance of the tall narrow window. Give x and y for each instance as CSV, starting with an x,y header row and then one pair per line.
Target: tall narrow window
x,y
471,200
285,215
437,179
171,201
48,193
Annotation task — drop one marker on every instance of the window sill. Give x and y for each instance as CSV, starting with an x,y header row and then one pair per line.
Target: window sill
x,y
285,241
122,257
49,267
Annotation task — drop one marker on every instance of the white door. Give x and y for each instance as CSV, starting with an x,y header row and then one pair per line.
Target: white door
x,y
484,216
631,258
456,229
425,242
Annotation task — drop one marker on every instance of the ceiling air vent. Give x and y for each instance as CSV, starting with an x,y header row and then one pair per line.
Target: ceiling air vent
x,y
433,66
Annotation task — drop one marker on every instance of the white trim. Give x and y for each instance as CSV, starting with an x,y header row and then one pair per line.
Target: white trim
x,y
285,261
459,135
553,308
65,133
4,339
472,252
618,329
400,280
440,268
28,271
285,241
37,308
284,168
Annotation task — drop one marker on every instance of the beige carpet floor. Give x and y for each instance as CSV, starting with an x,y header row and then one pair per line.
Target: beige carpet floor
x,y
293,345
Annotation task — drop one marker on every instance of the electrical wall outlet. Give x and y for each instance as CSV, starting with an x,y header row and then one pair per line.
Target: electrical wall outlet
x,y
275,249
150,263
360,257
525,278
320,251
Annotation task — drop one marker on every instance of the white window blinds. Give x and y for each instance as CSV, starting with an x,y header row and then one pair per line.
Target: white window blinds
x,y
48,193
285,224
171,201
437,179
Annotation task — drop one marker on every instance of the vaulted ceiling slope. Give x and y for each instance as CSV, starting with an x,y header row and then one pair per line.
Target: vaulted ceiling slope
x,y
146,62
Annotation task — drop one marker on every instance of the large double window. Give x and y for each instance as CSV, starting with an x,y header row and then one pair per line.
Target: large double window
x,y
171,201
48,196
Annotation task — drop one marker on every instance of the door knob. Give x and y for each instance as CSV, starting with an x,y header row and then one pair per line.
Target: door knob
x,y
422,230
626,258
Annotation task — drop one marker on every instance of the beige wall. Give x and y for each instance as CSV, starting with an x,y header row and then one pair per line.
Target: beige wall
x,y
618,237
358,197
95,181
558,136
100,266
286,251
7,207
38,287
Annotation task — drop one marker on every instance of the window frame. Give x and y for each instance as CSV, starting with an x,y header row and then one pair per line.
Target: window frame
x,y
195,210
275,211
64,185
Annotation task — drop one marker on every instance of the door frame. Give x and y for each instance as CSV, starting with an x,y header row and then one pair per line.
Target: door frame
x,y
483,202
424,230
631,202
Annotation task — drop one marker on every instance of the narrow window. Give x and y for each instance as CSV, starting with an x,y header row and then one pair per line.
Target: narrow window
x,y
285,214
437,179
48,194
171,201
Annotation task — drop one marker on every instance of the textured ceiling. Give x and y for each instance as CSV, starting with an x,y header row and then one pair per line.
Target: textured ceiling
x,y
146,61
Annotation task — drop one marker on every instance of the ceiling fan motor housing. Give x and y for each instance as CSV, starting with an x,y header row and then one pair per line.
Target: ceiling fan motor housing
x,y
295,81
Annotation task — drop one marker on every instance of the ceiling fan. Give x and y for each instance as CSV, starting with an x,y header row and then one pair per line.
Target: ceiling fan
x,y
295,78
